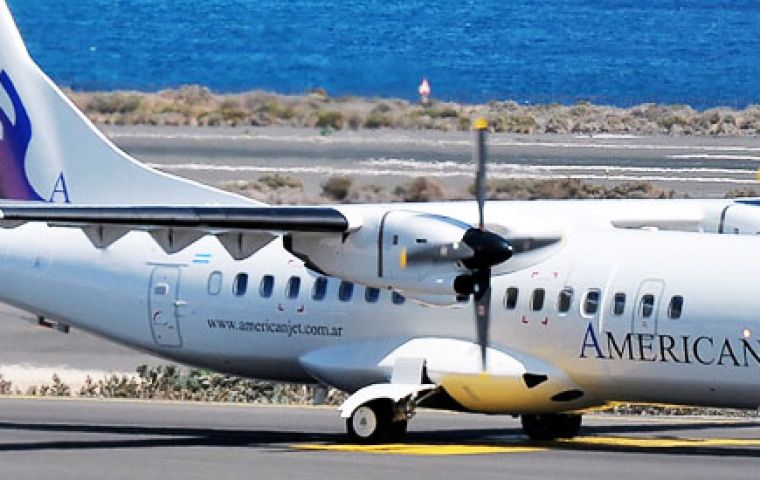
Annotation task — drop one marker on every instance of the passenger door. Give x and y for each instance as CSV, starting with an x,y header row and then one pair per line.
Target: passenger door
x,y
163,305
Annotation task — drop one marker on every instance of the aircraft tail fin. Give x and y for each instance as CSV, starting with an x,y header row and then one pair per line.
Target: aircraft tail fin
x,y
49,151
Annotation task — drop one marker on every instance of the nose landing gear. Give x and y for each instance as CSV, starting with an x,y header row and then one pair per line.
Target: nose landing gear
x,y
376,422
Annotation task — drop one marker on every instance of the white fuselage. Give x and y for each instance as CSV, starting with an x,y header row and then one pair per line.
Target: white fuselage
x,y
190,307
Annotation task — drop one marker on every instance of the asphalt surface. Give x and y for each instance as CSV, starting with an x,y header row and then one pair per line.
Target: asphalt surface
x,y
62,439
699,166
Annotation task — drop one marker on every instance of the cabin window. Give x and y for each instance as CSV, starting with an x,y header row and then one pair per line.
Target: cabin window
x,y
565,300
293,287
397,298
591,303
240,284
675,306
372,294
161,289
537,299
510,298
214,285
618,304
319,290
266,286
647,305
345,291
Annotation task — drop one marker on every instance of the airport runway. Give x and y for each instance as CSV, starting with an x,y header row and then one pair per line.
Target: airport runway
x,y
699,166
62,439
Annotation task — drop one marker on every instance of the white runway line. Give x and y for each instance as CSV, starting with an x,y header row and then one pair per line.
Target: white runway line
x,y
514,172
708,156
420,140
468,167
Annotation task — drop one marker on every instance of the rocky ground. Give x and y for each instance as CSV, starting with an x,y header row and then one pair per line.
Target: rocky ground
x,y
170,382
287,189
197,106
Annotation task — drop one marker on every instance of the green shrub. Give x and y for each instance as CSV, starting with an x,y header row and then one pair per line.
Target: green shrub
x,y
377,120
337,187
232,111
115,103
440,112
330,119
421,189
277,181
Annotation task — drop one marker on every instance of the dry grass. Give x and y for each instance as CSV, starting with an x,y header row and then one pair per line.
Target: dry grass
x,y
197,106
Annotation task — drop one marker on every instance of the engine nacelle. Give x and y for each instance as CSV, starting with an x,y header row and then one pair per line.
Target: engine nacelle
x,y
740,219
377,253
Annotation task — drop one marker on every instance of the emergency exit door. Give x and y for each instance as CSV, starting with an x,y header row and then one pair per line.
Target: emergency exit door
x,y
647,307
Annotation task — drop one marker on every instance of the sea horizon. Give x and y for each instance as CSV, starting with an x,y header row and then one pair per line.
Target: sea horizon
x,y
703,53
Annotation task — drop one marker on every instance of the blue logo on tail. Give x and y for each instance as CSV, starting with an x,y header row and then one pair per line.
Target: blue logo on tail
x,y
14,144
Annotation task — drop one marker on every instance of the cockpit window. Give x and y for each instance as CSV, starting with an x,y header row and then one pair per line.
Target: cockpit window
x,y
397,298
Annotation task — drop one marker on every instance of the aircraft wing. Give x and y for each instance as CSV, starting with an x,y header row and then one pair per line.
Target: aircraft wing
x,y
242,230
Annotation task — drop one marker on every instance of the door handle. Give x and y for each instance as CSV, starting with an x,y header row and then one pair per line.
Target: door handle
x,y
180,303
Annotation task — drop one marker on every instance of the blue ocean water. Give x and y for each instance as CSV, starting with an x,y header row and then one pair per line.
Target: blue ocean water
x,y
700,52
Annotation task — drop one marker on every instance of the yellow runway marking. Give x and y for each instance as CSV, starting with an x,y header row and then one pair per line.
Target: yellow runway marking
x,y
591,442
664,442
422,449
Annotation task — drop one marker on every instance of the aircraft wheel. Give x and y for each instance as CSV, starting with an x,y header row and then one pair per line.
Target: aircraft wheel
x,y
397,431
373,422
551,426
370,422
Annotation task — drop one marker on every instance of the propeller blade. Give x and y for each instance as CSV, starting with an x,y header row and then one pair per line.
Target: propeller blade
x,y
483,310
479,156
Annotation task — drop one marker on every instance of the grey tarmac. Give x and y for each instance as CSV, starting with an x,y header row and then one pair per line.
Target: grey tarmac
x,y
24,342
75,439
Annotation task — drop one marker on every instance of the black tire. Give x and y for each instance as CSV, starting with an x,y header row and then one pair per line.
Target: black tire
x,y
371,423
550,426
397,432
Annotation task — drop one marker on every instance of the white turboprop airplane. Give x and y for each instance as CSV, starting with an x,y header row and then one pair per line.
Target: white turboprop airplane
x,y
576,303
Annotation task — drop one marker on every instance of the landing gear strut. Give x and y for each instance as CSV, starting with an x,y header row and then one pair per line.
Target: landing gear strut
x,y
551,426
376,422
